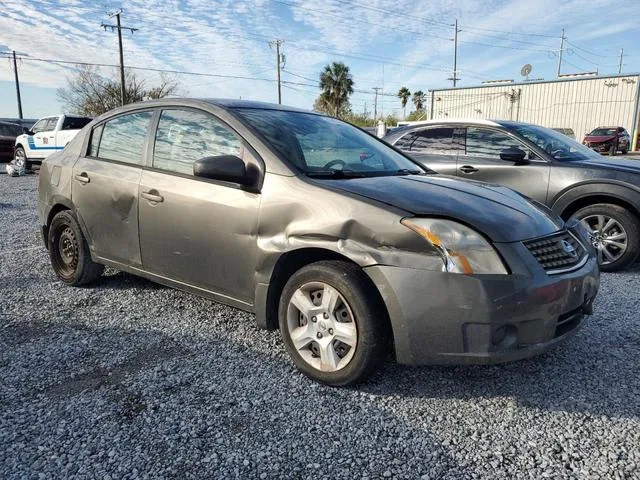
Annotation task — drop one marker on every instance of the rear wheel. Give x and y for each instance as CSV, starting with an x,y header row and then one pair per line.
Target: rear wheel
x,y
332,322
69,252
615,233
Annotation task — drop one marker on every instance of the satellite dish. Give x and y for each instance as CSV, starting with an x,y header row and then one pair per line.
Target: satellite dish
x,y
526,70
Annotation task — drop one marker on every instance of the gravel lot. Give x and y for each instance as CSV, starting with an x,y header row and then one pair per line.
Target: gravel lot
x,y
128,379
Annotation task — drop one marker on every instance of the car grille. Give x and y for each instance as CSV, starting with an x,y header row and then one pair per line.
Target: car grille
x,y
557,253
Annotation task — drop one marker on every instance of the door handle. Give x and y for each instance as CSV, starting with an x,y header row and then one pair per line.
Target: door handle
x,y
83,178
468,169
152,196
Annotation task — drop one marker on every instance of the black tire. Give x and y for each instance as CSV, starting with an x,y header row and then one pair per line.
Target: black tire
x,y
19,153
628,221
624,151
369,315
69,252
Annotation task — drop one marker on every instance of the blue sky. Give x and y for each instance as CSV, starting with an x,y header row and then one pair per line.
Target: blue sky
x,y
386,44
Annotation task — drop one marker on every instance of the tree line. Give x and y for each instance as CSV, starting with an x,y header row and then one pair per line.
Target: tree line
x,y
92,94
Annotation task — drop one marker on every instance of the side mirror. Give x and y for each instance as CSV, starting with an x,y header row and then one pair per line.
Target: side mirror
x,y
27,131
228,168
514,154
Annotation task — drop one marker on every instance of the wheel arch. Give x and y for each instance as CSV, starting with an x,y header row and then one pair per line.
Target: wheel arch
x,y
268,296
58,206
579,196
21,146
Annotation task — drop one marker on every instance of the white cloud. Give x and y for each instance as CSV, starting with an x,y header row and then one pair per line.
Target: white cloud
x,y
229,37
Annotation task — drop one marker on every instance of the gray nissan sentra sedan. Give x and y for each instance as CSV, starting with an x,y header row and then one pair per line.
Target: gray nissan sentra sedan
x,y
323,231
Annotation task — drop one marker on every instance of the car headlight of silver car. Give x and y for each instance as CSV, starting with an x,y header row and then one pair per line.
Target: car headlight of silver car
x,y
462,249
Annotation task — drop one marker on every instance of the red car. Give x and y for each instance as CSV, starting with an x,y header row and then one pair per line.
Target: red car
x,y
609,140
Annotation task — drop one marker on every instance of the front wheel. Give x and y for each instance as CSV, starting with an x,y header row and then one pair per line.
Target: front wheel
x,y
615,233
69,252
332,322
20,159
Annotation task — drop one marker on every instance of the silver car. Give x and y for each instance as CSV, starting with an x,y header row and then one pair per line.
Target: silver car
x,y
341,242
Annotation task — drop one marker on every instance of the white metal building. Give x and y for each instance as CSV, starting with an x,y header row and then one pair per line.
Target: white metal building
x,y
576,103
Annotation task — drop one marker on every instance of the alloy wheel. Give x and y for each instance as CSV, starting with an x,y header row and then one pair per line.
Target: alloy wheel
x,y
322,327
608,236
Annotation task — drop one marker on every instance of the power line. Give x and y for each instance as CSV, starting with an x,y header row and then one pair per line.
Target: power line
x,y
151,69
326,12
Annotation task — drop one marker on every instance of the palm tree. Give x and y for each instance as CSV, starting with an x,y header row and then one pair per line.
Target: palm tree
x,y
336,84
418,99
404,95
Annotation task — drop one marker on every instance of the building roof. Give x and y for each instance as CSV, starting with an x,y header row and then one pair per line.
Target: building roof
x,y
554,80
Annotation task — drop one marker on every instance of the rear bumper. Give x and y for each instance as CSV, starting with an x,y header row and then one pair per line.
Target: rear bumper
x,y
443,318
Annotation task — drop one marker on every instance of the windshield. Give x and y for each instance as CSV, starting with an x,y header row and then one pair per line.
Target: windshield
x,y
559,146
319,145
603,132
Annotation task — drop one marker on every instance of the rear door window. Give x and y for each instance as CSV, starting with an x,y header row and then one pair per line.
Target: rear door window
x,y
430,141
123,138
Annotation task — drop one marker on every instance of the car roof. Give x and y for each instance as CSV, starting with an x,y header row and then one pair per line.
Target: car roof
x,y
233,103
452,121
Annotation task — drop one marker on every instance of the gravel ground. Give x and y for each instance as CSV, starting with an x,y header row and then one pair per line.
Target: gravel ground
x,y
128,379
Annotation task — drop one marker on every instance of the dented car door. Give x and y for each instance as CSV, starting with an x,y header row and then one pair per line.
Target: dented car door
x,y
195,230
105,186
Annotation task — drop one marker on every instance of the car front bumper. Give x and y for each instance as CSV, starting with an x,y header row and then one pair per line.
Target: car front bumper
x,y
445,318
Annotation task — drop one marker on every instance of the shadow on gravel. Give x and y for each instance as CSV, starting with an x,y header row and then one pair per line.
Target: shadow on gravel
x,y
115,280
594,372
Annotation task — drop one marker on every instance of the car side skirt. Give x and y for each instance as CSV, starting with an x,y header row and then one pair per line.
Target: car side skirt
x,y
185,287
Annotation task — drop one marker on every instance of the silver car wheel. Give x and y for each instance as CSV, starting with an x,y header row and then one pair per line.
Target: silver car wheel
x,y
608,236
20,158
322,327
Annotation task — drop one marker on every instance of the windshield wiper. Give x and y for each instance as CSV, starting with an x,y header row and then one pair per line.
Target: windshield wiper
x,y
334,174
406,171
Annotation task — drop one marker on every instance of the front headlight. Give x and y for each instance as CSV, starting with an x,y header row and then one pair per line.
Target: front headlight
x,y
462,249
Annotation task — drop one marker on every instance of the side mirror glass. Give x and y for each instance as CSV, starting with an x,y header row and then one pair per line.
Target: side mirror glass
x,y
228,168
514,154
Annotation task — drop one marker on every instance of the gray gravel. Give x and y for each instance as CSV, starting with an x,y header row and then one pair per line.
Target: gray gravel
x,y
127,379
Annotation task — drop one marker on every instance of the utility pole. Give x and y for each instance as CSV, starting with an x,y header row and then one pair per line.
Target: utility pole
x,y
619,68
454,77
119,28
560,53
279,61
15,71
375,103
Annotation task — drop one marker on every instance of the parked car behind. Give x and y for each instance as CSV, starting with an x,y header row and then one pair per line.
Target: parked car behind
x,y
8,134
48,135
609,140
277,211
544,165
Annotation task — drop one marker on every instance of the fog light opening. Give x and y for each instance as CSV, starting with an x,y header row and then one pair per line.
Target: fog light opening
x,y
504,337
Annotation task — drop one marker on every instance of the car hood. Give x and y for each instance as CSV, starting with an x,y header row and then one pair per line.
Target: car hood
x,y
499,212
598,138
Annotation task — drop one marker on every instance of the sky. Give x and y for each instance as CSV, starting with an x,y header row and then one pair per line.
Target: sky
x,y
385,44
